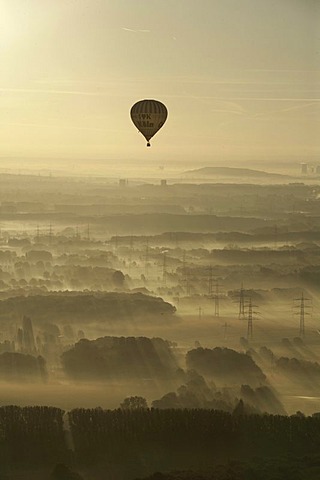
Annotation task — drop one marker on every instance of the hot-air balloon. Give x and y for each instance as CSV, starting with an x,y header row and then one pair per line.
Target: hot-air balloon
x,y
148,116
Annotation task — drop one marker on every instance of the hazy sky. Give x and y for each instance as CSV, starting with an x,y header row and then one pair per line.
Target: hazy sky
x,y
240,78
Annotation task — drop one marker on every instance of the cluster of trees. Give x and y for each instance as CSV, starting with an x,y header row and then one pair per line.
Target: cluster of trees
x,y
197,393
21,367
225,365
73,307
302,370
120,357
298,369
263,399
56,263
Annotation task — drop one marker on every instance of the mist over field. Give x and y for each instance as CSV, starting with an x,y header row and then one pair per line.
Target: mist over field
x,y
121,298
116,286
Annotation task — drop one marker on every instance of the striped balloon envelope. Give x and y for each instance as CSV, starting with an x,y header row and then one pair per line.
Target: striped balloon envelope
x,y
148,116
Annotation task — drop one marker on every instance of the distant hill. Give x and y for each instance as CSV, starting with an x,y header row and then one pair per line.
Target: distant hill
x,y
235,172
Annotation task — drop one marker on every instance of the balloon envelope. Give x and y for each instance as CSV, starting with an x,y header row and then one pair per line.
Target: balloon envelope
x,y
148,116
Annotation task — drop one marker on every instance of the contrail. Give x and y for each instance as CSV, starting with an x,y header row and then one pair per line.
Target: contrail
x,y
266,99
135,31
54,92
284,110
64,127
237,99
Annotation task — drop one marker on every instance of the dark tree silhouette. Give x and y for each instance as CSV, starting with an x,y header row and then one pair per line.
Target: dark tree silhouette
x,y
134,403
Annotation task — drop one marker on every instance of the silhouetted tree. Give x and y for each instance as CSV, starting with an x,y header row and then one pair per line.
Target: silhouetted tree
x,y
134,403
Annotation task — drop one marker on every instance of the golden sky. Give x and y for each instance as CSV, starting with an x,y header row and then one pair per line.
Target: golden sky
x,y
240,78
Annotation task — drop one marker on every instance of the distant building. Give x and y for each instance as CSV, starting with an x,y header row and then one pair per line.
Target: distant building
x,y
318,169
163,183
123,182
304,168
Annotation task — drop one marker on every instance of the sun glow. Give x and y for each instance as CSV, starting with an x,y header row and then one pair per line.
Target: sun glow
x,y
11,26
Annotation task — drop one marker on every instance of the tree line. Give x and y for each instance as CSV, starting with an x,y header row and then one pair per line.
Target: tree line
x,y
146,440
191,437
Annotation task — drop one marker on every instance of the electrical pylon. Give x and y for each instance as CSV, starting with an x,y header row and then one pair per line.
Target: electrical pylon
x,y
210,290
302,313
241,303
250,318
250,321
302,307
